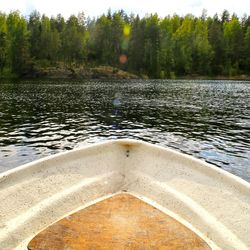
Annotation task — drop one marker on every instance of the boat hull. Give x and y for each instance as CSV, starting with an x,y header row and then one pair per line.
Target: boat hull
x,y
209,201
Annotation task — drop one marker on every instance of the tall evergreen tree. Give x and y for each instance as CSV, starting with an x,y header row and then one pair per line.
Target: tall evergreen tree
x,y
157,47
184,38
216,40
233,36
137,45
18,43
3,42
152,46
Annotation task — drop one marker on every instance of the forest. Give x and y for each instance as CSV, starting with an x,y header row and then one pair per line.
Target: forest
x,y
156,47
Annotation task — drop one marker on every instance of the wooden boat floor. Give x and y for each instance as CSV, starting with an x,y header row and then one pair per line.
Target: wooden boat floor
x,y
119,222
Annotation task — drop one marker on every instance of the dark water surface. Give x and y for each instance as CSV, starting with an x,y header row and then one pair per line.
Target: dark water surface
x,y
207,119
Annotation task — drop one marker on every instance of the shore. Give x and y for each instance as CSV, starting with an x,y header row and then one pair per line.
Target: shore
x,y
107,72
100,72
219,77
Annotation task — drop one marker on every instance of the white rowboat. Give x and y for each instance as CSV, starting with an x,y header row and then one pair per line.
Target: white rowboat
x,y
212,203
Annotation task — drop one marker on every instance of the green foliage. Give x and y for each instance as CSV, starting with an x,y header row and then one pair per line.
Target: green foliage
x,y
3,42
202,50
18,43
183,38
152,46
100,41
73,40
246,58
157,47
233,37
136,49
216,40
167,58
106,39
34,27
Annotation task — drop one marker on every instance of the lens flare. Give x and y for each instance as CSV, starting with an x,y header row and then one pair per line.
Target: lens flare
x,y
123,59
124,44
126,30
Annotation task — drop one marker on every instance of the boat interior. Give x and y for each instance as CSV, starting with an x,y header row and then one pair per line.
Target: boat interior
x,y
123,194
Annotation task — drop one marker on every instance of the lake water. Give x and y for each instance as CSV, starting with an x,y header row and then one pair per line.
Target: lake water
x,y
207,119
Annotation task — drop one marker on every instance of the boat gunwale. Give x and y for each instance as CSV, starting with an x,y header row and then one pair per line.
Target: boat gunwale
x,y
130,148
125,142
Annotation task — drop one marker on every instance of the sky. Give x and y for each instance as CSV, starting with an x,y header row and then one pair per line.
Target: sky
x,y
95,8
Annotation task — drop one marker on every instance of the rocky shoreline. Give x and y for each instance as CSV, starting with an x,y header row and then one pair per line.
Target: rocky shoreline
x,y
100,72
106,72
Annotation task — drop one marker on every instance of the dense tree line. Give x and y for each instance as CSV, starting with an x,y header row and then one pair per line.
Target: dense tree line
x,y
157,47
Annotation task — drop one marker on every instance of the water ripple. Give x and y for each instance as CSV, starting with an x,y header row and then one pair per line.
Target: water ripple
x,y
207,119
